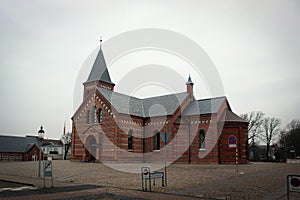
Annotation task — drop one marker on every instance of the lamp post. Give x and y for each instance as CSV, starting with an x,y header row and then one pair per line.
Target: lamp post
x,y
41,133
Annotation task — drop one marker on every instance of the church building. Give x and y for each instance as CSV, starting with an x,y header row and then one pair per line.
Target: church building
x,y
112,127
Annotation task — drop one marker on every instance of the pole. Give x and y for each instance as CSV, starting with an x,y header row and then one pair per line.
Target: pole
x,y
236,159
40,155
39,174
287,188
165,156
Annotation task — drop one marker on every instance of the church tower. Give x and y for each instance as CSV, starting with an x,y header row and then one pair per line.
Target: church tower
x,y
189,88
99,75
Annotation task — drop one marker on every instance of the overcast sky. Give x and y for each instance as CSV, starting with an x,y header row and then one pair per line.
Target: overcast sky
x,y
254,45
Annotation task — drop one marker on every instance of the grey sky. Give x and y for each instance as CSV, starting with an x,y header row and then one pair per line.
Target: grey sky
x,y
255,46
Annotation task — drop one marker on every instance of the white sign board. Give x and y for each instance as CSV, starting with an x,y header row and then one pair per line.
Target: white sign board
x,y
145,172
47,168
157,175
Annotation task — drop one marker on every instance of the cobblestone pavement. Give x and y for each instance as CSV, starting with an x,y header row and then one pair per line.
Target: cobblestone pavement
x,y
185,181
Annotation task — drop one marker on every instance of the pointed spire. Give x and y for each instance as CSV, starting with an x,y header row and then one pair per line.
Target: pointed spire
x,y
190,80
99,70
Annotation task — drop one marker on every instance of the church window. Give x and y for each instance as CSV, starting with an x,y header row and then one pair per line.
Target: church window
x,y
100,113
202,139
95,115
130,140
156,141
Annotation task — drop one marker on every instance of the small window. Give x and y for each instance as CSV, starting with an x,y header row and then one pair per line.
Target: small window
x,y
202,139
95,115
100,113
11,157
156,141
130,140
18,158
88,117
4,157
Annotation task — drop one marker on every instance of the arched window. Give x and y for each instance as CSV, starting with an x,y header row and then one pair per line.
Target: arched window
x,y
130,140
100,113
156,141
95,115
202,139
88,116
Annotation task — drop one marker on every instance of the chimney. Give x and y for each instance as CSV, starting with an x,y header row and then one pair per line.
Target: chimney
x,y
189,87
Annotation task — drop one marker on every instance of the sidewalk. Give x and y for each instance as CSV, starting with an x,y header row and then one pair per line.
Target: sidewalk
x,y
37,182
185,181
65,190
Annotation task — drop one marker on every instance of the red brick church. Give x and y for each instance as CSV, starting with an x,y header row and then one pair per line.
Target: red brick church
x,y
109,126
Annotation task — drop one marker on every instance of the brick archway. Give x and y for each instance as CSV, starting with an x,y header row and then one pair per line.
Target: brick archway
x,y
90,148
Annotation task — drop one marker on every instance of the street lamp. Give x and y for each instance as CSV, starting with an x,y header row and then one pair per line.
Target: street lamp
x,y
41,133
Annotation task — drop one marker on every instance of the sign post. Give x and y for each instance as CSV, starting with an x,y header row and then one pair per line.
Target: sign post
x,y
146,174
293,184
165,137
237,159
233,144
47,171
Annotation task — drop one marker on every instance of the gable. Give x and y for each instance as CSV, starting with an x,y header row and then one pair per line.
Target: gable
x,y
204,106
229,116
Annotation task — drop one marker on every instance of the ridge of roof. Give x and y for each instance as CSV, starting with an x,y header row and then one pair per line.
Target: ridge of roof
x,y
140,107
220,97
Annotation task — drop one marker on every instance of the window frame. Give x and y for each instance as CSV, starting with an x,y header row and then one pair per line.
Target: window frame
x,y
100,116
156,141
202,135
94,115
130,140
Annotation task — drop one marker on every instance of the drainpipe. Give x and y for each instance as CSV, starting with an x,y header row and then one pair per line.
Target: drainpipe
x,y
144,143
189,151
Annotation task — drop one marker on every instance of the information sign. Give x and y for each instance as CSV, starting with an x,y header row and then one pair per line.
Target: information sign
x,y
232,142
47,168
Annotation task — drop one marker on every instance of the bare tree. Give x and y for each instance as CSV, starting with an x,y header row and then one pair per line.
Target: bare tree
x,y
293,125
290,139
255,120
270,129
67,141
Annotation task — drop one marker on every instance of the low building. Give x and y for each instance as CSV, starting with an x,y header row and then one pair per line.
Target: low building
x,y
14,148
52,148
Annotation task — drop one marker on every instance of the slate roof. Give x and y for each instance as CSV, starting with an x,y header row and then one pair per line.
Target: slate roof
x,y
204,106
99,70
140,107
17,144
231,117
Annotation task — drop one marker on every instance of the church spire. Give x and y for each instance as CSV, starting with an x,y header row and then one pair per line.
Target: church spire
x,y
99,70
189,87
